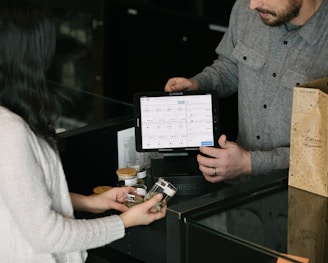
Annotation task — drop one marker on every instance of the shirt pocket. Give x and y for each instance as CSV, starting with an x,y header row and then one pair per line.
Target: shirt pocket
x,y
289,80
248,56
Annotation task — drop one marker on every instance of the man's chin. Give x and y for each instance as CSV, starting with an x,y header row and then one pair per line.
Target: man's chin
x,y
270,21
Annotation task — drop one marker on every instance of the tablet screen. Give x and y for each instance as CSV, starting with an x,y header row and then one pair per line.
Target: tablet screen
x,y
175,121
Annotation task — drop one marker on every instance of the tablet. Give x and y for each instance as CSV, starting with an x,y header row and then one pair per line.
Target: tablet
x,y
175,121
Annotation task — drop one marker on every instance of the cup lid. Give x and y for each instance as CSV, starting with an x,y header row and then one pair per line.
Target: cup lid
x,y
127,171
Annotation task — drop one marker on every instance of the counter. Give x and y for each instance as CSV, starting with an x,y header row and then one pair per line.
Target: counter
x,y
260,219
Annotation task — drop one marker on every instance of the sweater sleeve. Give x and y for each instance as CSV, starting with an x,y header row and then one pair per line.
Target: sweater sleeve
x,y
34,191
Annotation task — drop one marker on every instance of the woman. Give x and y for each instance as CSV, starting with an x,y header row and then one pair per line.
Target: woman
x,y
36,218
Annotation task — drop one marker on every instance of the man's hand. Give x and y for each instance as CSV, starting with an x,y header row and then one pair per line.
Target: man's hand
x,y
179,84
228,162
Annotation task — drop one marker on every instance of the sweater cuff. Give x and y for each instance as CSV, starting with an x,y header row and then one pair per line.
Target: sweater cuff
x,y
115,227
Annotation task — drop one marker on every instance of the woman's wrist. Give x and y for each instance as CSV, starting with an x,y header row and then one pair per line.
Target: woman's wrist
x,y
82,202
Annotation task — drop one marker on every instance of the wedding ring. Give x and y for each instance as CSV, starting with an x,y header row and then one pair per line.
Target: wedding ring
x,y
214,171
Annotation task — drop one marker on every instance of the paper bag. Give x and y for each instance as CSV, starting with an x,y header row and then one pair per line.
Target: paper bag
x,y
308,145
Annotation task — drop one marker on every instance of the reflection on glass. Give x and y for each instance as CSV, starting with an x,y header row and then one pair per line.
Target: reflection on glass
x,y
262,221
84,111
307,225
73,61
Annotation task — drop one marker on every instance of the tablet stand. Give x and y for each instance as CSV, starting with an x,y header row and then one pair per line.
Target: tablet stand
x,y
183,172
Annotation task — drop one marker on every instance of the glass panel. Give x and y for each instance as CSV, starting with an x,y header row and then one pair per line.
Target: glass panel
x,y
308,225
87,111
204,245
262,221
289,221
255,228
73,62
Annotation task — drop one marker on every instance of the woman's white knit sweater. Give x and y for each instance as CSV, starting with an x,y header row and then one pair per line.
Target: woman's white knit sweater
x,y
36,214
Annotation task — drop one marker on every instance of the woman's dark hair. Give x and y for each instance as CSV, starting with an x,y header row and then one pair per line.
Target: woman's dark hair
x,y
27,47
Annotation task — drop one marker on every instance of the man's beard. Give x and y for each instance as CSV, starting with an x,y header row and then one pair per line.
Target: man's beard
x,y
291,11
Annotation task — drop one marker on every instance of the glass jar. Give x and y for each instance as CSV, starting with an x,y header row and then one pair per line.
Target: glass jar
x,y
126,176
136,195
101,189
164,187
141,177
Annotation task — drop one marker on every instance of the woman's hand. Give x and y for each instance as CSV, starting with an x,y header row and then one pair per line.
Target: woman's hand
x,y
140,214
113,198
144,213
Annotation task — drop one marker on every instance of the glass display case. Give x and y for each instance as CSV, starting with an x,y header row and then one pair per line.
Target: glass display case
x,y
87,133
270,227
78,62
148,42
264,220
84,112
115,48
225,218
255,229
194,229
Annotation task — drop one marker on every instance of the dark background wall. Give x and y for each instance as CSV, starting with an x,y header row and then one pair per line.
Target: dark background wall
x,y
115,48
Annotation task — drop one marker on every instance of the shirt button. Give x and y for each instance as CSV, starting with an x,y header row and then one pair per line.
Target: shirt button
x,y
274,74
285,42
244,58
258,137
265,106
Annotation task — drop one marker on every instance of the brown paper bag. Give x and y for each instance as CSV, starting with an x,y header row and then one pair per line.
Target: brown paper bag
x,y
308,169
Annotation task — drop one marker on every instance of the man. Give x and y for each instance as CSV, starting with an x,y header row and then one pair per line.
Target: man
x,y
270,47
